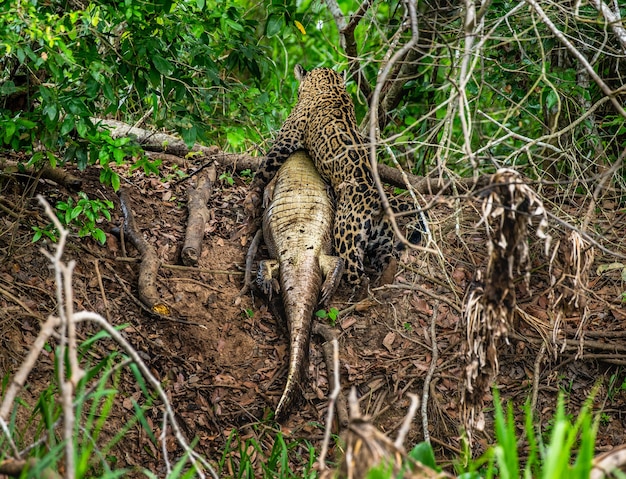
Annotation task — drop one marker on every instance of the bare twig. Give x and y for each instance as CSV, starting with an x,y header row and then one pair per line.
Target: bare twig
x,y
431,370
579,56
331,408
537,376
613,19
329,334
408,419
18,381
348,42
65,308
101,286
373,118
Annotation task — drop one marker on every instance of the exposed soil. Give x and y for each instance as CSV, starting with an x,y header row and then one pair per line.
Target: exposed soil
x,y
225,367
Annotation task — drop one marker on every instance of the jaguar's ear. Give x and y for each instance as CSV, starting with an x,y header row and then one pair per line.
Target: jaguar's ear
x,y
300,72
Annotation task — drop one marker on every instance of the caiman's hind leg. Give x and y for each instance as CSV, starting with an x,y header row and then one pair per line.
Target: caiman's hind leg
x,y
332,270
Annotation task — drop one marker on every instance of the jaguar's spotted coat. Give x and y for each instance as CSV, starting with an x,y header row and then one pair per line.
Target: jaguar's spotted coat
x,y
323,122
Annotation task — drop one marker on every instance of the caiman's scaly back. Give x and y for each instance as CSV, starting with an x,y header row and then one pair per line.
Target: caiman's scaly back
x,y
297,226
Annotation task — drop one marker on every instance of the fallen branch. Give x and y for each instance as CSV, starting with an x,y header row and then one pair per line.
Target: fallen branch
x,y
149,267
199,215
59,176
605,463
169,144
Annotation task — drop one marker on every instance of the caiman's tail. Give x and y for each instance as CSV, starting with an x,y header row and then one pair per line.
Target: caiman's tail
x,y
298,362
300,290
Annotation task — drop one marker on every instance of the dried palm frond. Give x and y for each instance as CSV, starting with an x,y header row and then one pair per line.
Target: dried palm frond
x,y
509,207
569,275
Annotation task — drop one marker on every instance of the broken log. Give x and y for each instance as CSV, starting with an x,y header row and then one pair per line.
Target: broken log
x,y
199,215
57,175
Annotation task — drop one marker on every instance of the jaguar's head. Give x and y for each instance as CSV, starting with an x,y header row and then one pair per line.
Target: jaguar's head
x,y
318,80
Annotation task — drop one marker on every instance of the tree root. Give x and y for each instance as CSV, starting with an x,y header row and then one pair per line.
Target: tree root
x,y
149,267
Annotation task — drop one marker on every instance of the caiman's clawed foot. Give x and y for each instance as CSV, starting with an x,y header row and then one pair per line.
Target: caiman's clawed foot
x,y
266,278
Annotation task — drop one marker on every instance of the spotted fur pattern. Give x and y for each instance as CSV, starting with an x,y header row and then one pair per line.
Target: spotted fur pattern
x,y
323,122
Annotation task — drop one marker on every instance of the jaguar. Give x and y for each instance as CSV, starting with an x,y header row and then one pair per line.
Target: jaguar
x,y
323,122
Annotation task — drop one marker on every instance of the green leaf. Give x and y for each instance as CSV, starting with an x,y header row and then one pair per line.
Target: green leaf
x,y
75,212
275,24
423,452
551,99
142,419
67,126
115,181
189,136
7,88
52,159
234,25
162,65
9,130
99,235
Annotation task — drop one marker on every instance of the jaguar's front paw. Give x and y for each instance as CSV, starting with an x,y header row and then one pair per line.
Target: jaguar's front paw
x,y
252,202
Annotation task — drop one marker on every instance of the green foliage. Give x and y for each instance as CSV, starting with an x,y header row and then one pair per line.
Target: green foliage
x,y
569,440
49,231
241,458
83,215
227,177
332,314
170,61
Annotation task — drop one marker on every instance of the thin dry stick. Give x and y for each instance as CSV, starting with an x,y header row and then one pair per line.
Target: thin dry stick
x,y
331,407
586,236
47,330
163,438
431,371
65,307
7,433
408,419
537,373
104,296
581,58
464,76
373,115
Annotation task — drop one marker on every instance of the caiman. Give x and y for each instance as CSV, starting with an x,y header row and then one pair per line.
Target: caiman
x,y
297,229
